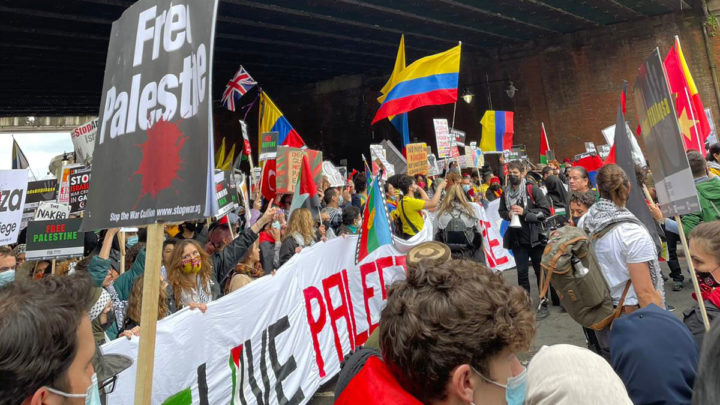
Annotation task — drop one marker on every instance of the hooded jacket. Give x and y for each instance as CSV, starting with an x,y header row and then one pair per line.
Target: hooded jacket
x,y
655,355
708,194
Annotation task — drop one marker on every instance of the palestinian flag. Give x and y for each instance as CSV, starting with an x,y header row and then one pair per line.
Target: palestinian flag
x,y
544,144
305,189
375,229
238,374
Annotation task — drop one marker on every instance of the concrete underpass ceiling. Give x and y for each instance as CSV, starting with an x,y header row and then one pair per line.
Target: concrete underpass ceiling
x,y
52,53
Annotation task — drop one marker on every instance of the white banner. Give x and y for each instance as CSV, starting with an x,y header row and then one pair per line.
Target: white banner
x,y
280,338
13,186
83,138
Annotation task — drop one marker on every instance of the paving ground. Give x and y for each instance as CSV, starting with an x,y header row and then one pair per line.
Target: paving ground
x,y
558,327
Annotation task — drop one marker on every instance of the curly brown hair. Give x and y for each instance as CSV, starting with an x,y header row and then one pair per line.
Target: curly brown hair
x,y
442,316
177,279
135,301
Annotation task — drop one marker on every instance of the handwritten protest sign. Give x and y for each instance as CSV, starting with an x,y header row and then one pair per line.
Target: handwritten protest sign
x,y
155,127
50,211
79,183
83,139
268,146
288,167
13,184
442,137
416,158
54,239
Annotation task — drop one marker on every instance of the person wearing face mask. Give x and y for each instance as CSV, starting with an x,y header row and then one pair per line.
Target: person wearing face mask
x,y
334,203
555,191
45,325
580,203
495,190
8,264
704,243
450,334
529,205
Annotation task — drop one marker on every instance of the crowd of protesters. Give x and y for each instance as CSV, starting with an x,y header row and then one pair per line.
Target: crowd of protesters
x,y
451,331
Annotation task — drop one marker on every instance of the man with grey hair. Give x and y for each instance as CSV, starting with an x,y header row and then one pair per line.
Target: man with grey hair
x,y
708,190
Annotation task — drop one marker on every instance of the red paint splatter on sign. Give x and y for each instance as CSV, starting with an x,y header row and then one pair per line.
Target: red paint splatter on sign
x,y
161,157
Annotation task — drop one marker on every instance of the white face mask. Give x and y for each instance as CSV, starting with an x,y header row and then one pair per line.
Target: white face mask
x,y
92,395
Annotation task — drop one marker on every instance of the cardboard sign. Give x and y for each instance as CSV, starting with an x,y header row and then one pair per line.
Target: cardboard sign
x,y
590,147
63,195
333,174
442,137
288,163
417,162
226,195
380,162
13,185
50,211
155,127
674,183
79,183
268,146
40,190
54,239
83,139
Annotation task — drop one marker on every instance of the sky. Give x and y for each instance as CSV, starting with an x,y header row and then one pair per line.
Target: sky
x,y
39,147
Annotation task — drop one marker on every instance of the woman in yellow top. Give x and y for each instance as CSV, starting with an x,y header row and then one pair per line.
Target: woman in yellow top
x,y
713,158
408,210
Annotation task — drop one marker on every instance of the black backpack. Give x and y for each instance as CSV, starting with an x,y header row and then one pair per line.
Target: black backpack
x,y
456,234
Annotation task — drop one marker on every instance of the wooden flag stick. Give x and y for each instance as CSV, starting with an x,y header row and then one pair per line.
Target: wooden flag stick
x,y
121,242
696,285
52,269
148,322
232,234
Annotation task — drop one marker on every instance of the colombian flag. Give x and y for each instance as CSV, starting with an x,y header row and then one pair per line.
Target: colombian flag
x,y
498,131
691,113
432,80
272,120
375,229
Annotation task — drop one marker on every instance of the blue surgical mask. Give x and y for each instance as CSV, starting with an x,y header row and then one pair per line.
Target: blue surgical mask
x,y
132,240
514,389
92,395
341,200
7,277
466,187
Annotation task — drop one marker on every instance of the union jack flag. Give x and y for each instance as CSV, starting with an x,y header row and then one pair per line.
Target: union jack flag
x,y
237,87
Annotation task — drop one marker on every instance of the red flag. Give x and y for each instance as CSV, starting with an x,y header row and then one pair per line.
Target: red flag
x,y
294,140
544,144
307,183
267,180
610,159
691,114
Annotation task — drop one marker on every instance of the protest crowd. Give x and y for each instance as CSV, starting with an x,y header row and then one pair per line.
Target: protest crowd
x,y
388,277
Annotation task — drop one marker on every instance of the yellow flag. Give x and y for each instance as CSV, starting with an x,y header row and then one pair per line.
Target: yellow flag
x,y
220,155
399,66
229,159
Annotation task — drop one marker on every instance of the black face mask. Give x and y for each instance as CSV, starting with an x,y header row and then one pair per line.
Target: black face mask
x,y
110,320
190,226
576,220
514,180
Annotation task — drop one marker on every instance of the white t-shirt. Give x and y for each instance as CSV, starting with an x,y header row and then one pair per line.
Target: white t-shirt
x,y
626,243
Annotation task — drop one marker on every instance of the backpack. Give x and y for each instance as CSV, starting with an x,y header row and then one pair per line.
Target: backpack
x,y
570,265
456,234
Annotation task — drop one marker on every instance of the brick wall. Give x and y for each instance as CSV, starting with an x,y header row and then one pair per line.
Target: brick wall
x,y
571,83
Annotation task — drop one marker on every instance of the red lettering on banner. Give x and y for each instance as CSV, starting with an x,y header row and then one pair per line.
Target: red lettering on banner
x,y
316,325
360,338
492,260
368,292
401,261
382,263
336,313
